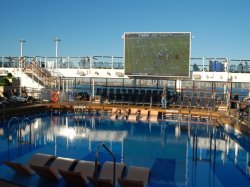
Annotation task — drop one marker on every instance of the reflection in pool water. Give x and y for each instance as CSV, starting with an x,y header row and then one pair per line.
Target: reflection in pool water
x,y
179,153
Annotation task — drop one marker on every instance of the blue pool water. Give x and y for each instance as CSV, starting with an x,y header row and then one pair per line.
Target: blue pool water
x,y
217,157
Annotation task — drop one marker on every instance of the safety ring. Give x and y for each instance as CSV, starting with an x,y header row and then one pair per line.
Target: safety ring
x,y
54,96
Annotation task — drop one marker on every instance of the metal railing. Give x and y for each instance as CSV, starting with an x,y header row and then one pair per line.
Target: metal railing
x,y
96,161
212,147
117,62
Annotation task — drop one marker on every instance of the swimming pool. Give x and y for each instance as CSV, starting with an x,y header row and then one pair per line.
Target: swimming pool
x,y
179,152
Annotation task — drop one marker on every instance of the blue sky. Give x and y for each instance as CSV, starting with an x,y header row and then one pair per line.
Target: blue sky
x,y
221,28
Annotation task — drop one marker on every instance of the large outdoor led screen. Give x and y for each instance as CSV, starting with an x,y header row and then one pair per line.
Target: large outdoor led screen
x,y
157,54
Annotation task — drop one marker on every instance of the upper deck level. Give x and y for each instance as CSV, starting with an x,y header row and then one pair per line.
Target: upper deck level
x,y
201,69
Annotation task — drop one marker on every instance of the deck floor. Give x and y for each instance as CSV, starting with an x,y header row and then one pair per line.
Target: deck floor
x,y
221,115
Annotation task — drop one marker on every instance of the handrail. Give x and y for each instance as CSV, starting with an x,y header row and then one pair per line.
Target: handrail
x,y
195,146
44,73
18,133
40,73
96,160
30,135
58,72
11,119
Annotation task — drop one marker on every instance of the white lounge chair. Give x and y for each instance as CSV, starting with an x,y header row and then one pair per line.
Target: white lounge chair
x,y
106,176
133,114
51,172
153,116
80,173
143,115
123,114
114,113
136,177
38,159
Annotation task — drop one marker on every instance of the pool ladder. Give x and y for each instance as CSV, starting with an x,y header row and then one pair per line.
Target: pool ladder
x,y
19,134
96,162
211,147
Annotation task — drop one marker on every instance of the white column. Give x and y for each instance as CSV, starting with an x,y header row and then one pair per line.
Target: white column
x,y
21,46
178,85
203,64
93,88
57,40
112,62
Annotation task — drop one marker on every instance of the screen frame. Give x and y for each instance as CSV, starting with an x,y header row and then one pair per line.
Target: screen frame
x,y
158,76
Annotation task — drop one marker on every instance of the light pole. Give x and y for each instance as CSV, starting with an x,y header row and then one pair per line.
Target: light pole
x,y
21,61
57,40
22,41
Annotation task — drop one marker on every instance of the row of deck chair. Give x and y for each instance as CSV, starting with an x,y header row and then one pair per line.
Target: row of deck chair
x,y
132,99
134,114
195,102
12,100
129,96
154,99
80,172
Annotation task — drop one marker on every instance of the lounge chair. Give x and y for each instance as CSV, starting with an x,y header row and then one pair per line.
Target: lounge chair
x,y
51,172
143,115
186,102
123,114
114,113
203,102
136,177
18,98
211,103
153,117
106,176
38,159
80,173
133,114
